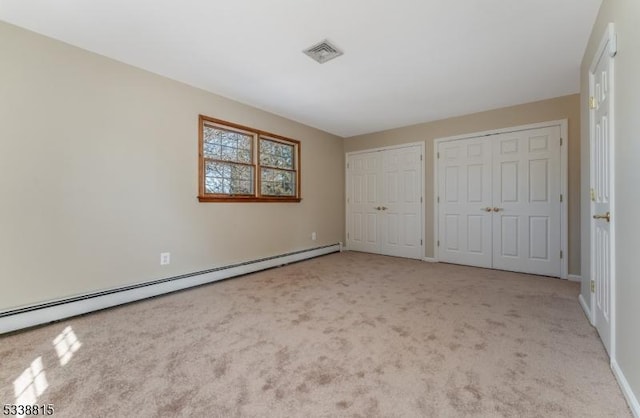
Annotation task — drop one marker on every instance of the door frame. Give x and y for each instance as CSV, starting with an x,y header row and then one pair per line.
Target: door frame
x,y
422,190
564,180
608,41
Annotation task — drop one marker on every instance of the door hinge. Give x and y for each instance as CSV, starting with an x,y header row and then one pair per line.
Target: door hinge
x,y
438,243
347,235
593,195
438,199
420,242
592,102
593,286
560,141
561,254
348,199
420,199
438,155
420,157
561,198
347,165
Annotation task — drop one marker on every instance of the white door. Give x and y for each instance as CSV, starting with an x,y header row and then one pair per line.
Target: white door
x,y
384,202
363,199
526,201
601,191
402,202
465,202
499,202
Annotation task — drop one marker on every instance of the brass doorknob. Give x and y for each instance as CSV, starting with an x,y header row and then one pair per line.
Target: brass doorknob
x,y
378,208
384,208
606,216
497,209
486,209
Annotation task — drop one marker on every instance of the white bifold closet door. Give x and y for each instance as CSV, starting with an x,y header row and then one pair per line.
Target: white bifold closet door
x,y
499,201
384,202
465,202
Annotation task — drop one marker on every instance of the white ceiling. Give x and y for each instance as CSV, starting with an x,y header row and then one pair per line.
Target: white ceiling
x,y
405,61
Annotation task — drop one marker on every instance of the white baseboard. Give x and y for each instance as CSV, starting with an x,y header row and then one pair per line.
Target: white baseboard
x,y
430,260
43,313
585,308
632,400
574,278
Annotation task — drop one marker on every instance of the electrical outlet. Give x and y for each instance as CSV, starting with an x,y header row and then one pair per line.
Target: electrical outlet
x,y
313,236
165,258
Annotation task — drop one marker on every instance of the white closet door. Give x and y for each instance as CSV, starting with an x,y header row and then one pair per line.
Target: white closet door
x,y
526,201
401,202
464,175
499,201
384,202
363,196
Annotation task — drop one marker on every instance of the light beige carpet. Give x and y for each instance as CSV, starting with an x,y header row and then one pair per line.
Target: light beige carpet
x,y
348,334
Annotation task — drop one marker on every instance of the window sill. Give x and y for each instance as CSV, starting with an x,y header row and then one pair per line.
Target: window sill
x,y
237,199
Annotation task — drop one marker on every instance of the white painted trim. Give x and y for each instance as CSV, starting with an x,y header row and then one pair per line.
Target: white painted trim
x,y
20,320
564,181
390,147
423,163
564,205
502,130
436,209
585,308
612,194
429,259
608,41
423,180
574,278
631,398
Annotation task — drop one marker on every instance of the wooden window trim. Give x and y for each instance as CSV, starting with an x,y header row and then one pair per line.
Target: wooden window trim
x,y
257,134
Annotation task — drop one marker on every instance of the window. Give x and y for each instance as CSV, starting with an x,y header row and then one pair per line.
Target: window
x,y
240,164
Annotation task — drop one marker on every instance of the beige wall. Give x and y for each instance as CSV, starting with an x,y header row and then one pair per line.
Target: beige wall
x,y
566,107
98,175
626,16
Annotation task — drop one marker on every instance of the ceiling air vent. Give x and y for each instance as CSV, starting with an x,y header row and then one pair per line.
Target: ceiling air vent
x,y
323,52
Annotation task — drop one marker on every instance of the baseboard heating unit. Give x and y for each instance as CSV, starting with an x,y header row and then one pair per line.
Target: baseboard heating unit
x,y
42,313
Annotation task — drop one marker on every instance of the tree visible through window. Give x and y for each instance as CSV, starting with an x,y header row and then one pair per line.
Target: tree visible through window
x,y
277,170
228,163
234,159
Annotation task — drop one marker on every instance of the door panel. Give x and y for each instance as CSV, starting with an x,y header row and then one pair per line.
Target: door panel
x,y
451,184
509,182
601,271
509,242
393,234
401,203
474,233
452,222
363,195
464,193
474,183
527,201
539,237
538,181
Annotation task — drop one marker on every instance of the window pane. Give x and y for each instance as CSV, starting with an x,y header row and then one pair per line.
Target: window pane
x,y
228,178
223,144
278,182
276,154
